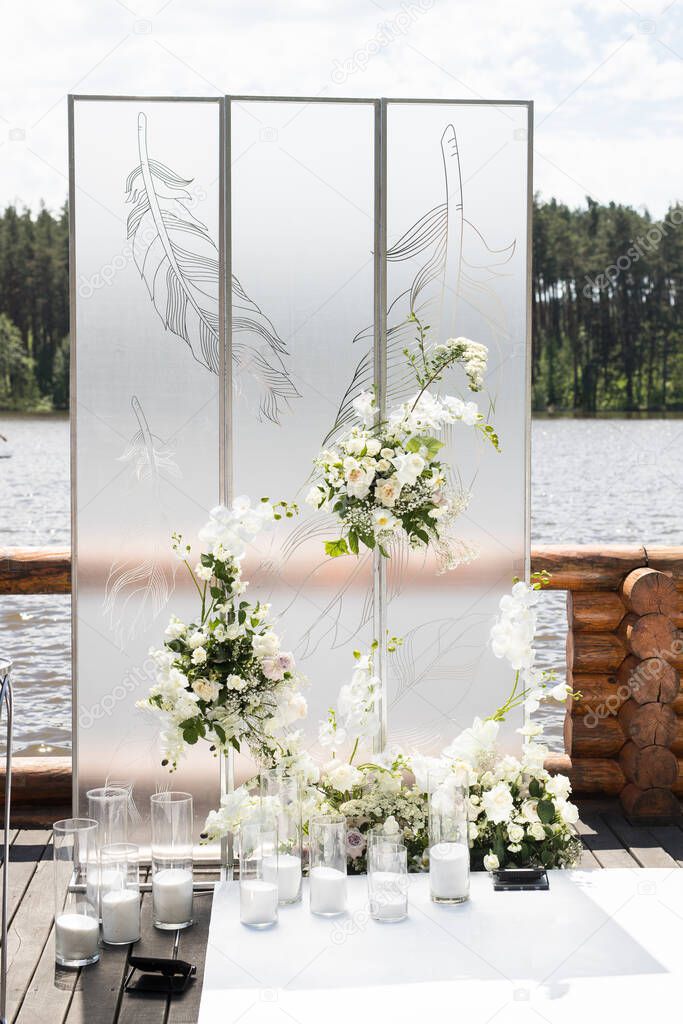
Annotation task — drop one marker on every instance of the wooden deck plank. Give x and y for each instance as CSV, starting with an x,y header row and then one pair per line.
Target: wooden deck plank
x,y
147,1009
670,838
50,990
27,850
641,843
602,842
184,1009
29,932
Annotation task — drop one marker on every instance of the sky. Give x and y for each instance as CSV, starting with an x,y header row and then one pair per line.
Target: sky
x,y
606,77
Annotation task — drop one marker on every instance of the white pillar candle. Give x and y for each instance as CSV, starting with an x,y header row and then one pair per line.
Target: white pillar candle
x,y
76,937
388,896
172,896
328,891
258,902
286,871
121,916
449,871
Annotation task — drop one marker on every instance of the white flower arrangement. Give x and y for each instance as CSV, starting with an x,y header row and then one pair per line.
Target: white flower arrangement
x,y
224,678
519,814
384,480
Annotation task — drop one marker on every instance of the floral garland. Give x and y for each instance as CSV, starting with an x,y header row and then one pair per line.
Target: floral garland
x,y
384,480
223,677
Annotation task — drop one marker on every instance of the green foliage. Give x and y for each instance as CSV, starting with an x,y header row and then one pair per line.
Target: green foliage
x,y
335,548
607,285
34,298
607,332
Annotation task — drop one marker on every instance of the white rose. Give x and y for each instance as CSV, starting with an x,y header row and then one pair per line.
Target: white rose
x,y
536,831
515,833
234,682
388,491
567,811
408,467
198,656
372,446
197,639
205,689
498,803
559,786
265,645
491,862
530,811
343,776
358,478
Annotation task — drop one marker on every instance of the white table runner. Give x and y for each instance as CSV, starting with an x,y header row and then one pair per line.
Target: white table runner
x,y
602,944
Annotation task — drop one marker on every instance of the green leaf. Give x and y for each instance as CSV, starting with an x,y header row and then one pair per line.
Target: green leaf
x,y
546,811
335,548
535,789
353,542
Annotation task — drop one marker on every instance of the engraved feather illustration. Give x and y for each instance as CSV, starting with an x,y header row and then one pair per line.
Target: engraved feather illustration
x,y
179,263
454,263
148,455
137,590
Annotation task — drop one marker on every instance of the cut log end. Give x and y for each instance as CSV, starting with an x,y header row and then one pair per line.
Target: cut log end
x,y
647,590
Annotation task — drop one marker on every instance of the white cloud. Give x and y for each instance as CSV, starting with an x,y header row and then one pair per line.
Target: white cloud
x,y
605,78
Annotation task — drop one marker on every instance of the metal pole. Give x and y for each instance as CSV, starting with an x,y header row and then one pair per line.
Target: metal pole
x,y
6,698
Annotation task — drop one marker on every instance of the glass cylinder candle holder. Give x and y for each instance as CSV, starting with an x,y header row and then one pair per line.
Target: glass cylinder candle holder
x,y
172,825
108,806
449,852
281,797
259,892
381,834
388,881
77,929
327,877
120,895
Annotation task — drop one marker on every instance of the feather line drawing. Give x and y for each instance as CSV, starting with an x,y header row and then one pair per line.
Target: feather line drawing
x,y
179,264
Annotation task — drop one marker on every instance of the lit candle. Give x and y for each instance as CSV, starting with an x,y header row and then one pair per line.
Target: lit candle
x,y
76,937
172,896
328,891
121,916
389,896
258,902
449,871
284,869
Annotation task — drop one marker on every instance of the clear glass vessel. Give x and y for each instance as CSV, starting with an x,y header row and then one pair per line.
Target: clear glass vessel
x,y
388,881
120,896
327,879
172,824
449,851
259,895
281,796
77,929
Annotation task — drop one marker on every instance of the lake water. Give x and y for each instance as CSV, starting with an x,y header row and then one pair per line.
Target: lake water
x,y
608,480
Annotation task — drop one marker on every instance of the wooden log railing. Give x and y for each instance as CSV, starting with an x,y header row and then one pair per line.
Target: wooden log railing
x,y
624,737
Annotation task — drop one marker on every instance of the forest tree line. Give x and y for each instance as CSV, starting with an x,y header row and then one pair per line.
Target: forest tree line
x,y
607,309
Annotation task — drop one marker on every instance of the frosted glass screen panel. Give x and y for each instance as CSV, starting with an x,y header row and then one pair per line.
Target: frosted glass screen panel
x,y
145,417
302,224
457,207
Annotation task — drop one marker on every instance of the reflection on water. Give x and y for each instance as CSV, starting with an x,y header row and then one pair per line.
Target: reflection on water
x,y
608,481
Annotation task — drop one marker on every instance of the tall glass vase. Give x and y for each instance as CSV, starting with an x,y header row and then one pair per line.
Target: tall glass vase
x,y
281,797
449,853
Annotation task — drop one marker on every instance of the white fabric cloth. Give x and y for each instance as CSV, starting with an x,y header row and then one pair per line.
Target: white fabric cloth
x,y
600,945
